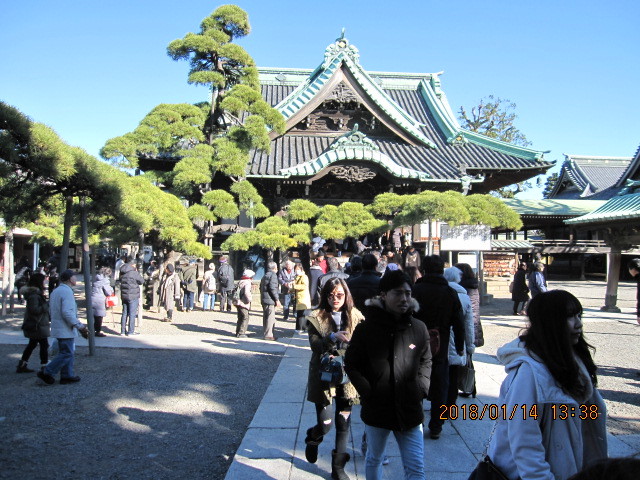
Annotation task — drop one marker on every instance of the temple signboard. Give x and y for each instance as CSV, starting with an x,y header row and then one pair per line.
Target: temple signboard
x,y
465,238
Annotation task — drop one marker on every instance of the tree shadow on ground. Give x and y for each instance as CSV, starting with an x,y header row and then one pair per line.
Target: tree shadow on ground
x,y
632,377
137,413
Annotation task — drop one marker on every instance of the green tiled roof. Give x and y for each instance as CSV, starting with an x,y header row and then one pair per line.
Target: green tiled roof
x,y
510,245
343,54
625,207
568,208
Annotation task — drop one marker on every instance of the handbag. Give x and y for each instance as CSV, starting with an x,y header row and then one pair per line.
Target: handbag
x,y
487,470
511,287
110,301
332,369
467,377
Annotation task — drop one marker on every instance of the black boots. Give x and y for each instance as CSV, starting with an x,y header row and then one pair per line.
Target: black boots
x,y
22,367
311,451
338,461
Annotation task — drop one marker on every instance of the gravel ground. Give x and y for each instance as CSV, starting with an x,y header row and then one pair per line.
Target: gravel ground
x,y
137,413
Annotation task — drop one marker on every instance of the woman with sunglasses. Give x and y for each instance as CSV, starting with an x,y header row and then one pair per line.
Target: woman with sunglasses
x,y
330,327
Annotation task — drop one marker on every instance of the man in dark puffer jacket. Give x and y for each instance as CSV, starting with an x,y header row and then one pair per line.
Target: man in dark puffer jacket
x,y
389,362
130,281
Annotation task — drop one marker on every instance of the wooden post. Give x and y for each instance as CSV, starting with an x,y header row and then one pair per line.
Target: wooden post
x,y
482,290
614,259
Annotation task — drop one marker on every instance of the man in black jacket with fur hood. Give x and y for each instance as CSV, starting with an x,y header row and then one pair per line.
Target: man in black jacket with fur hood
x,y
389,363
440,309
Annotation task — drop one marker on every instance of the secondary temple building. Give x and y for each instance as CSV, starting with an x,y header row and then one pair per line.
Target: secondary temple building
x,y
353,134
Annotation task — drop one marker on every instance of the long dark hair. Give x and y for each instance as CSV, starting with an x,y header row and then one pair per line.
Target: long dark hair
x,y
467,271
328,287
548,336
37,280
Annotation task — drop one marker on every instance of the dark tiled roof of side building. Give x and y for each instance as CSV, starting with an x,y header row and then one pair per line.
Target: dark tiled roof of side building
x,y
589,177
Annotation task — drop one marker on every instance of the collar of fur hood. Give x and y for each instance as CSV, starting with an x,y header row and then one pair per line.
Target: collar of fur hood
x,y
377,302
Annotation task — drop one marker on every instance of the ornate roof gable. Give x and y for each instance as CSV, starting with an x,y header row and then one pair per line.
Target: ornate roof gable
x,y
353,145
341,70
586,176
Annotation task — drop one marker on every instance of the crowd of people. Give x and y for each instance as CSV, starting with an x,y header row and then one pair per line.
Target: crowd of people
x,y
388,339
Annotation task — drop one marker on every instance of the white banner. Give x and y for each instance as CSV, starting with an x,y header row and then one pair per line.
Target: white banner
x,y
465,238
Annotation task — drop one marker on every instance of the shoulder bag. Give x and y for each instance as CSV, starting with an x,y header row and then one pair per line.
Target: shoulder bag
x,y
332,369
486,469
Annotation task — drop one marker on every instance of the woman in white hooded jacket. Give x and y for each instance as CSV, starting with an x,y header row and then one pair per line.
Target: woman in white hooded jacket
x,y
453,276
553,423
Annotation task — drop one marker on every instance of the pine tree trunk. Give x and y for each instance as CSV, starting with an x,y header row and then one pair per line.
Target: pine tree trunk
x,y
141,271
68,219
7,275
86,269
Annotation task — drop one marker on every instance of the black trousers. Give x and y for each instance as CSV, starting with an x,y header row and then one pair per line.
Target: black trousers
x,y
44,350
438,390
301,321
225,297
323,414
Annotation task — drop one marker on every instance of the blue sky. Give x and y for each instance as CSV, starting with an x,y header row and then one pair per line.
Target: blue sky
x,y
91,70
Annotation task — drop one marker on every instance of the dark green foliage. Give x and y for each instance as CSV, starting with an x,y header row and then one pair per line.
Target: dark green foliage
x,y
214,138
549,185
495,117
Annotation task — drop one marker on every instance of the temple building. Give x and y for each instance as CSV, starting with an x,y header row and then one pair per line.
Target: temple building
x,y
589,177
352,134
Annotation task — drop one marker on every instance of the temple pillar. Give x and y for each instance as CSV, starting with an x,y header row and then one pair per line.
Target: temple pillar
x,y
614,260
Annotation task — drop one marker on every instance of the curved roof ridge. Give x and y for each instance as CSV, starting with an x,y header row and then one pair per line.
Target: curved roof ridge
x,y
338,54
595,157
439,106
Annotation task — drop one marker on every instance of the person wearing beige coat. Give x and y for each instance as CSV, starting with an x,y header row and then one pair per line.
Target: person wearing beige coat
x,y
303,297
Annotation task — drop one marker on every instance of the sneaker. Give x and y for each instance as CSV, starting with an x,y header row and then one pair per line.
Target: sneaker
x,y
434,435
166,319
385,460
241,335
134,333
46,378
66,380
273,339
100,334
